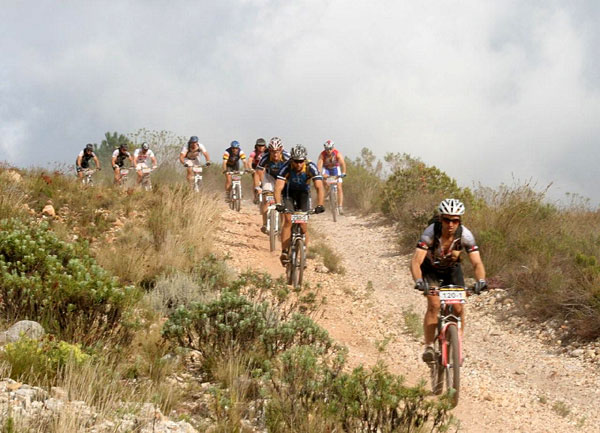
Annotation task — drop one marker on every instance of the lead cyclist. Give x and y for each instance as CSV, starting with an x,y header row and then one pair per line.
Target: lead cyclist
x,y
331,163
436,262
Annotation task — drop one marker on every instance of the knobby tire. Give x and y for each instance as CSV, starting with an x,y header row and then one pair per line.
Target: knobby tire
x,y
437,370
298,263
238,198
272,229
453,369
333,202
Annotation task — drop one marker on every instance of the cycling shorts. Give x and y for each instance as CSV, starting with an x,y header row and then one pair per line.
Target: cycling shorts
x,y
334,171
238,166
297,200
268,182
442,276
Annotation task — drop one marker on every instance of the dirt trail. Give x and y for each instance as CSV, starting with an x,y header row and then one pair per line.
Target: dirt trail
x,y
512,381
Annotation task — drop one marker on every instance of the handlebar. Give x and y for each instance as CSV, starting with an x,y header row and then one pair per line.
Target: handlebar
x,y
305,212
435,290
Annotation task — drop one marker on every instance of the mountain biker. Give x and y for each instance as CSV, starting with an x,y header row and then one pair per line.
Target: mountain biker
x,y
83,159
331,163
266,173
190,156
140,156
234,159
436,262
257,153
118,158
292,192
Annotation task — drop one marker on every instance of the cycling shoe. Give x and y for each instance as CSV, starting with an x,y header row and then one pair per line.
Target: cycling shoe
x,y
428,355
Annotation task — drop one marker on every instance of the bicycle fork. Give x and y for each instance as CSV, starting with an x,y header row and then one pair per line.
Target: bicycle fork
x,y
444,342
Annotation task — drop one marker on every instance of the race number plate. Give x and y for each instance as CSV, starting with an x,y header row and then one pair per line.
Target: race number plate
x,y
455,295
197,169
124,171
332,180
146,170
236,177
299,218
269,199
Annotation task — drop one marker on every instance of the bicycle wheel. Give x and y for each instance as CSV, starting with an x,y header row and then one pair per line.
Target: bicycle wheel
x,y
437,370
453,367
289,268
238,198
298,263
333,202
272,229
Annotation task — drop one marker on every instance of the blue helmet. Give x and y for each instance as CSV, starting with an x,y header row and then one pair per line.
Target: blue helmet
x,y
235,144
193,139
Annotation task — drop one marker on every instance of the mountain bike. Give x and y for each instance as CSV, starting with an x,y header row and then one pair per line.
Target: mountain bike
x,y
332,183
236,190
87,176
294,268
197,170
146,182
273,218
448,342
123,172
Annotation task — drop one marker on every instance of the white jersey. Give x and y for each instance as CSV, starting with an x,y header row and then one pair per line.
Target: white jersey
x,y
192,154
140,157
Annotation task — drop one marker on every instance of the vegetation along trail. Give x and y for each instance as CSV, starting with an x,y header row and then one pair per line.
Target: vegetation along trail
x,y
512,379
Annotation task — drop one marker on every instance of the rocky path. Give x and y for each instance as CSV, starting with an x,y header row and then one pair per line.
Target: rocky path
x,y
513,379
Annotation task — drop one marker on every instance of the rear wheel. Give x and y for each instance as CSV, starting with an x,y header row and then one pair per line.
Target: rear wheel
x,y
453,367
272,229
298,263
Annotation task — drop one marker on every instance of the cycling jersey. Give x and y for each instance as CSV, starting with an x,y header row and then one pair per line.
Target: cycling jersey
x,y
140,157
299,181
121,157
272,167
332,160
232,159
439,259
255,157
85,158
192,154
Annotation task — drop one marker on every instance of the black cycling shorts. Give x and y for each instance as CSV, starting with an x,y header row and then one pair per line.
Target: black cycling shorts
x,y
297,200
442,277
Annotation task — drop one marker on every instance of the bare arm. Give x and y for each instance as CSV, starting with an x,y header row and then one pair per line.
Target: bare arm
x,y
206,157
415,263
279,184
154,162
320,192
342,162
97,161
113,161
182,158
320,164
78,161
478,267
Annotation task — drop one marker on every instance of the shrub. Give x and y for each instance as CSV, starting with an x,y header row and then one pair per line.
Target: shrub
x,y
59,285
331,260
40,361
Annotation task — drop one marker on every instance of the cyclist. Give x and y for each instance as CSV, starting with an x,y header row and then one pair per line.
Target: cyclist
x,y
140,156
257,153
190,156
436,261
118,158
292,191
266,172
234,159
331,163
83,159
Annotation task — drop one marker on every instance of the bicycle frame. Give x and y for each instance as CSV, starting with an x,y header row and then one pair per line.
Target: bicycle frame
x,y
87,176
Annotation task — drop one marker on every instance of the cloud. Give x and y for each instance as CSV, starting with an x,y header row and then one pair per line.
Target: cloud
x,y
483,90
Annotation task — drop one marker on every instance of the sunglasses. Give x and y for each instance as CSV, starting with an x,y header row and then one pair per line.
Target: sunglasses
x,y
451,220
298,161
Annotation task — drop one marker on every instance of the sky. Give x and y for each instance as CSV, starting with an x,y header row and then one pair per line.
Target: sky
x,y
488,91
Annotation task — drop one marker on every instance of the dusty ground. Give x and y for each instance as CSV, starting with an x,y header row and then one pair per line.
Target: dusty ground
x,y
513,380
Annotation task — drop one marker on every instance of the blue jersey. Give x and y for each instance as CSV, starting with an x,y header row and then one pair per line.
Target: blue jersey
x,y
299,181
272,167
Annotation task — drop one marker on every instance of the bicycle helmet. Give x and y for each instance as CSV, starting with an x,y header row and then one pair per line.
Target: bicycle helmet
x,y
328,145
451,206
298,152
275,144
193,139
235,144
123,146
260,142
89,146
145,146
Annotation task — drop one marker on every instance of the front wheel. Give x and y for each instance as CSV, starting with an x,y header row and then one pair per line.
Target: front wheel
x,y
298,263
437,370
333,202
238,198
453,367
272,229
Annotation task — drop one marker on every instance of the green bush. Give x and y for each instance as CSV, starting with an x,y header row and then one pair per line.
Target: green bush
x,y
59,285
40,360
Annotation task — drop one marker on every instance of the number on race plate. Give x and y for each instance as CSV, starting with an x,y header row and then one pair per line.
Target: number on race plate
x,y
300,218
197,169
453,296
270,199
236,177
332,180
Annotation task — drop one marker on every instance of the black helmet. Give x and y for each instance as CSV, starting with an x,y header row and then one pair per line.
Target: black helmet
x,y
193,139
123,146
89,146
261,142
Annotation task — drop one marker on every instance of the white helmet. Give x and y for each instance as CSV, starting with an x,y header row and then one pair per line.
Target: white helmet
x,y
328,145
451,206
